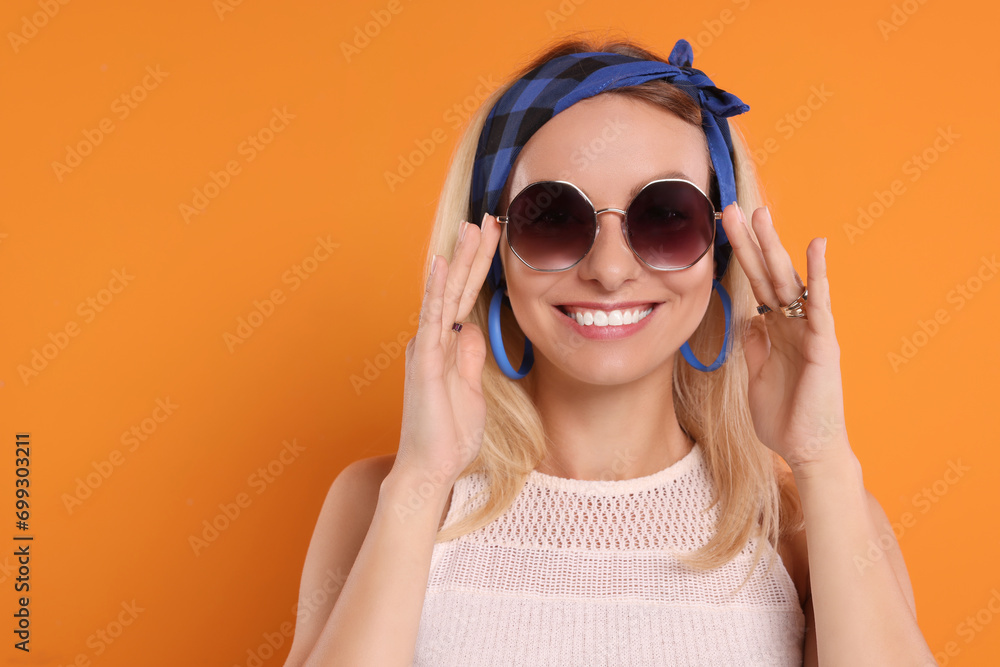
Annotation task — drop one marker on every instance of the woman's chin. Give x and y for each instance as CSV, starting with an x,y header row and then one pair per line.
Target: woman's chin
x,y
605,371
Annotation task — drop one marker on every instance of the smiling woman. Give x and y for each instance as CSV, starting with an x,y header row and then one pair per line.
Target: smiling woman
x,y
640,489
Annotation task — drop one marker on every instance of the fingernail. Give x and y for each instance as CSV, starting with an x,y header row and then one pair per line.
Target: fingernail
x,y
483,223
739,211
824,246
465,226
433,265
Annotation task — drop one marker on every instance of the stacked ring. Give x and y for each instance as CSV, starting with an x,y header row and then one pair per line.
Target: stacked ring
x,y
794,309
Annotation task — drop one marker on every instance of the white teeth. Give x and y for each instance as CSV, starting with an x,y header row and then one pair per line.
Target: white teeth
x,y
614,318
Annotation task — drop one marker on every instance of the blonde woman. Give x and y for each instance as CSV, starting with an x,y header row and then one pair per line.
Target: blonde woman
x,y
623,436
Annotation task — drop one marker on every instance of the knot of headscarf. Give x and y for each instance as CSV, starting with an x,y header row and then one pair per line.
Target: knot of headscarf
x,y
561,82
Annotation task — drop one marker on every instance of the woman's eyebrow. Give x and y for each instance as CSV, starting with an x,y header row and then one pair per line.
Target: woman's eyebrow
x,y
668,174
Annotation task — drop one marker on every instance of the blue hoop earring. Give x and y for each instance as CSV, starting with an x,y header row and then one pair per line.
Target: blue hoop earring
x,y
726,307
496,340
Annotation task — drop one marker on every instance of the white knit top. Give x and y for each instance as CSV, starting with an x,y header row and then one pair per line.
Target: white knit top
x,y
584,572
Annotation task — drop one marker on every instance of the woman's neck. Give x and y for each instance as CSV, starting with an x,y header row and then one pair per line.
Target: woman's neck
x,y
608,432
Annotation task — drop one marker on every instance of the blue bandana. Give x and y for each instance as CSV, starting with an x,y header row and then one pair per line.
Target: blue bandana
x,y
558,84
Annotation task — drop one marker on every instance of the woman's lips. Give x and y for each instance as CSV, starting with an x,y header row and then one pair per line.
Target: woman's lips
x,y
608,332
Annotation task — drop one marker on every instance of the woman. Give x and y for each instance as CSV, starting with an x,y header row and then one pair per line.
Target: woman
x,y
611,501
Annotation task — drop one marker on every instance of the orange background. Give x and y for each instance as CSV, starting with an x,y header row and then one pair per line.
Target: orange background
x,y
162,335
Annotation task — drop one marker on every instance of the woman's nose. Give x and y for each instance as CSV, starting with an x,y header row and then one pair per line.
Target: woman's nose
x,y
610,260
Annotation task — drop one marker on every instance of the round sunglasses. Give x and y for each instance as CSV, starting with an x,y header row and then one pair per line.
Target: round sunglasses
x,y
552,225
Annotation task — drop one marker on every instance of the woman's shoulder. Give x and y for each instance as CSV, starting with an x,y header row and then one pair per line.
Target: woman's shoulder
x,y
366,475
357,487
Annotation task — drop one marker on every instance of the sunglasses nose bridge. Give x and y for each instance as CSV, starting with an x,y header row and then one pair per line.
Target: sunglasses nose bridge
x,y
604,210
597,214
597,231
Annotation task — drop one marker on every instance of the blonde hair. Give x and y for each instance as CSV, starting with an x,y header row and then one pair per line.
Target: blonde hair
x,y
710,407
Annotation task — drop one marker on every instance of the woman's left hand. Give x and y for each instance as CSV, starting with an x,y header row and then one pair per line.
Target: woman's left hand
x,y
795,388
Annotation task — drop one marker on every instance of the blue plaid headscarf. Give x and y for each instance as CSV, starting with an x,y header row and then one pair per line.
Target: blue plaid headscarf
x,y
561,82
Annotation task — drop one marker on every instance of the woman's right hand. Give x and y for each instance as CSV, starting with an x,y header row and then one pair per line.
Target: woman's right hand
x,y
444,411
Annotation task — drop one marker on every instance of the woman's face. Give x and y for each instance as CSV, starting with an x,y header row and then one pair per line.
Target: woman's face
x,y
609,146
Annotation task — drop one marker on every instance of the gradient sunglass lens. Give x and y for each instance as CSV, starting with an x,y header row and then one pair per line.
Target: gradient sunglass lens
x,y
550,226
670,224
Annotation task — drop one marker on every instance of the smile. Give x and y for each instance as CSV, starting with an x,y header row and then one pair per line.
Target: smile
x,y
606,318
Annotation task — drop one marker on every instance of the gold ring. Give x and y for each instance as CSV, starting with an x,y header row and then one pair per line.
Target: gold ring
x,y
794,309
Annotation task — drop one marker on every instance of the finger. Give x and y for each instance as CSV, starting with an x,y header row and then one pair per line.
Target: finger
x,y
748,253
786,282
756,346
818,306
489,238
429,327
458,275
471,355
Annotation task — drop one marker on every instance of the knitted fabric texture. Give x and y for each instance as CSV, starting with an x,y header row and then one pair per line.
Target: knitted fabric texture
x,y
585,572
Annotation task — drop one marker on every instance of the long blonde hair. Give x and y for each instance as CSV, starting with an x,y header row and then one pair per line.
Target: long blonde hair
x,y
710,407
